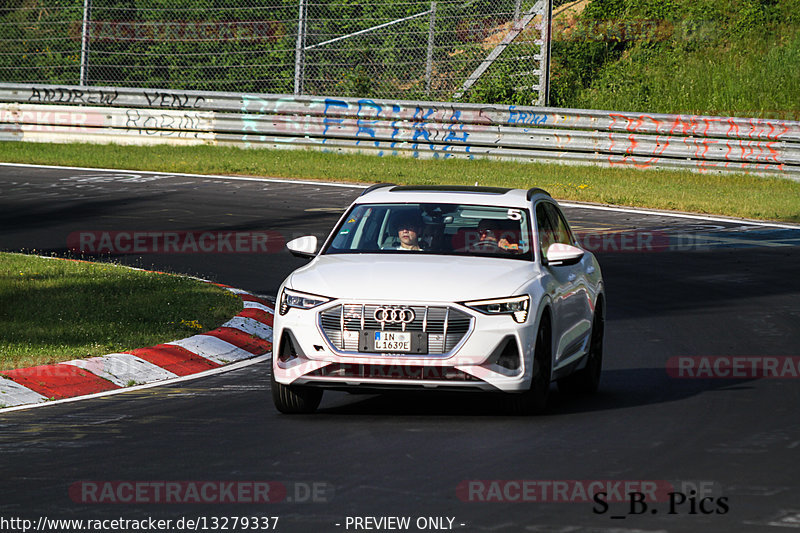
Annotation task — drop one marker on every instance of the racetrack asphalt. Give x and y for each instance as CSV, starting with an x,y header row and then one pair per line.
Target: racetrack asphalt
x,y
705,288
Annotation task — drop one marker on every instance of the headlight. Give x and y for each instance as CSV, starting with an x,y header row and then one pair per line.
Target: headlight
x,y
299,300
516,306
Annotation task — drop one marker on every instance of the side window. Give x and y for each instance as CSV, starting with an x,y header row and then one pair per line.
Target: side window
x,y
544,228
552,227
562,231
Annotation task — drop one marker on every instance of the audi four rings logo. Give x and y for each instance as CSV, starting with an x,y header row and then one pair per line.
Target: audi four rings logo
x,y
393,315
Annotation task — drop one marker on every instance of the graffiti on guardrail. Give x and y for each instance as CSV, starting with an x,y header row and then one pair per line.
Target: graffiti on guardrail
x,y
69,95
417,129
700,126
365,108
172,99
526,117
186,124
384,125
66,95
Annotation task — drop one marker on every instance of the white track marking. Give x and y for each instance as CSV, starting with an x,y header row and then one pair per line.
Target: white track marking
x,y
122,368
13,394
250,326
212,348
206,373
256,305
236,291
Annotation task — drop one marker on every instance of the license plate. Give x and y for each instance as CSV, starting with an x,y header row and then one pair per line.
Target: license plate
x,y
392,341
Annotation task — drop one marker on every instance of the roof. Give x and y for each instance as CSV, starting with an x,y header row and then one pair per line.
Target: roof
x,y
500,196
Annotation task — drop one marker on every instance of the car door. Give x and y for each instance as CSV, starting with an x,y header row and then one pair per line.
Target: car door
x,y
571,309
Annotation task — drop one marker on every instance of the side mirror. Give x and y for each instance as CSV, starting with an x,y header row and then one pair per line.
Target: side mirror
x,y
563,254
305,247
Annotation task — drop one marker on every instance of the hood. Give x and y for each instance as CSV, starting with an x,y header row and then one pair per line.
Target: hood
x,y
411,277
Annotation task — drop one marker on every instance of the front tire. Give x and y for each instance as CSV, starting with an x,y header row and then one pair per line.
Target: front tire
x,y
294,399
534,400
587,379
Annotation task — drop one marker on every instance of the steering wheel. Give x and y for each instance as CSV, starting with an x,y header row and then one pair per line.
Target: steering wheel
x,y
485,246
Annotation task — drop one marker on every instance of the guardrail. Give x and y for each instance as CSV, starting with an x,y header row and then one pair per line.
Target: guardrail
x,y
47,113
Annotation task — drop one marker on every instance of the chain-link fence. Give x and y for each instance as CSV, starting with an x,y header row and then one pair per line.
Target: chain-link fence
x,y
476,50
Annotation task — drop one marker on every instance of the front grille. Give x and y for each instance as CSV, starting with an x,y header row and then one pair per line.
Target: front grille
x,y
445,326
409,373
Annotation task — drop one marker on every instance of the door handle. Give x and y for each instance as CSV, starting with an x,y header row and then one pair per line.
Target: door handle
x,y
590,270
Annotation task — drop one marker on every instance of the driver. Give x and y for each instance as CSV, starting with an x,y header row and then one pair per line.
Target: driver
x,y
408,229
490,235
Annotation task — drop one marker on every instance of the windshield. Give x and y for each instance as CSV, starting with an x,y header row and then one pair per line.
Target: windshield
x,y
440,229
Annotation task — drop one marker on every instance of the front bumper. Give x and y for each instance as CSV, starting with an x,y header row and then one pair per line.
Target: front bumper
x,y
481,360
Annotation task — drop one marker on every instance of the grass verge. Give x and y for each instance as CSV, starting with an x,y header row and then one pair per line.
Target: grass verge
x,y
737,195
56,310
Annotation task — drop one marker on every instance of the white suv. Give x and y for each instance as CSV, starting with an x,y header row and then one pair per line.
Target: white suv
x,y
450,288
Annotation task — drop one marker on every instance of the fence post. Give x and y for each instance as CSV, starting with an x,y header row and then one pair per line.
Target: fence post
x,y
299,54
429,61
544,76
517,6
84,74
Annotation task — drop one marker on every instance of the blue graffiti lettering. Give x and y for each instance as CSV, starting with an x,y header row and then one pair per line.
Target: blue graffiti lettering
x,y
364,127
420,131
369,103
426,112
330,102
328,121
522,117
453,136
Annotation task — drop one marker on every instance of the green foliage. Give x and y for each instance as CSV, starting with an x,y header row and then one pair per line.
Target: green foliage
x,y
622,54
730,57
358,83
247,46
574,65
32,37
501,86
750,17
